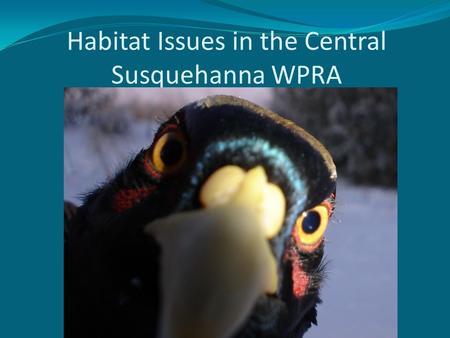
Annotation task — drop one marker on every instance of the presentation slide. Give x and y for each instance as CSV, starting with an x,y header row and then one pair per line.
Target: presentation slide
x,y
224,169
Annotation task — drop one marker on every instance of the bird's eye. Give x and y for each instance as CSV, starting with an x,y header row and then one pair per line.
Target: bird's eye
x,y
310,227
168,153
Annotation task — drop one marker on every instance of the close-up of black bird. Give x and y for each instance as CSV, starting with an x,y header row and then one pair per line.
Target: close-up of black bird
x,y
214,230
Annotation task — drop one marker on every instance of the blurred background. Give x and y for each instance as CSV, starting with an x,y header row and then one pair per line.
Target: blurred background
x,y
105,127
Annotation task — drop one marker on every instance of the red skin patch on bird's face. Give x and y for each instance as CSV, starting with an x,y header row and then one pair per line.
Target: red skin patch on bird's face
x,y
300,279
127,198
149,166
329,203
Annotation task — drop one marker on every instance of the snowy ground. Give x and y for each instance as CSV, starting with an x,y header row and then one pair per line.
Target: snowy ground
x,y
360,294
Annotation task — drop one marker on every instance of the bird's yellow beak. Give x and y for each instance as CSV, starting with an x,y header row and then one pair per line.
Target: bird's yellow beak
x,y
217,261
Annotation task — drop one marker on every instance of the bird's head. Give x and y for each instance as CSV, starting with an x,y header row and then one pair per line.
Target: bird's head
x,y
215,230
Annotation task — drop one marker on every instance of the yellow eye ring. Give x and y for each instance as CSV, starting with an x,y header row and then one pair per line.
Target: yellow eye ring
x,y
169,153
310,227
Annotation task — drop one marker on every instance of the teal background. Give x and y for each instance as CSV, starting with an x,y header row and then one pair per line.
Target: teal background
x,y
35,66
23,17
